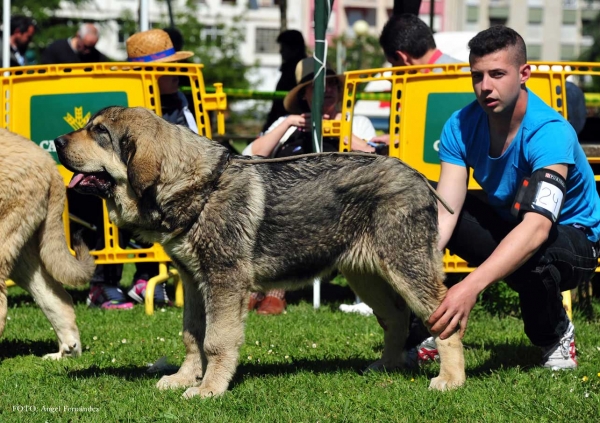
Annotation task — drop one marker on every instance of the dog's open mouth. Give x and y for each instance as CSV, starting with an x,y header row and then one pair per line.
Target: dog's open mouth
x,y
98,183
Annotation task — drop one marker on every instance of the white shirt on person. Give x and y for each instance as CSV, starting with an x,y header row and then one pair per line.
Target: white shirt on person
x,y
361,127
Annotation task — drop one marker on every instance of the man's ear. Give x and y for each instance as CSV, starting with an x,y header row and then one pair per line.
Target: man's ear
x,y
524,73
400,58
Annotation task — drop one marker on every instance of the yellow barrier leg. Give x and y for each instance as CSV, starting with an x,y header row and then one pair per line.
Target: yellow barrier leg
x,y
178,288
162,277
567,304
9,283
164,274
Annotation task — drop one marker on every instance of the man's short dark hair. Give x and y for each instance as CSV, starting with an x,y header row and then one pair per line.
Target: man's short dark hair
x,y
292,38
20,22
496,38
406,33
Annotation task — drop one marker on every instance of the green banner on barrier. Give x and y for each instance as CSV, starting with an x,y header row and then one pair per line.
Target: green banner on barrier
x,y
440,107
53,115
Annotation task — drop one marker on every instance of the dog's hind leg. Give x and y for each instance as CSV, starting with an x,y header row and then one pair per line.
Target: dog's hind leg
x,y
51,297
194,327
391,311
15,231
226,311
423,290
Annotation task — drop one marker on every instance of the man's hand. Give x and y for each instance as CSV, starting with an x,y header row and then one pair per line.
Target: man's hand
x,y
454,310
381,139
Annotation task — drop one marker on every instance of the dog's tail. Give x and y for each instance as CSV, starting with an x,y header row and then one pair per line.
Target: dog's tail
x,y
54,252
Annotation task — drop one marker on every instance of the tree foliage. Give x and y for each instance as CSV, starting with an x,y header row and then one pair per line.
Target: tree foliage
x,y
49,27
362,52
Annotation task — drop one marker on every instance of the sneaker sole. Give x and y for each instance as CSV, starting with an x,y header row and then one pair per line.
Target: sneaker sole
x,y
135,296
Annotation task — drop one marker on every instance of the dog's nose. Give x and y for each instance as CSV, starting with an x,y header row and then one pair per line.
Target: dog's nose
x,y
60,142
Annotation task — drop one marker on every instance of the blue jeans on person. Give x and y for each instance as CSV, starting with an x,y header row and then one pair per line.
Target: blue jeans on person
x,y
561,263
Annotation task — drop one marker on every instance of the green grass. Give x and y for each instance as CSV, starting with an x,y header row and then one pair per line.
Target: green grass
x,y
304,366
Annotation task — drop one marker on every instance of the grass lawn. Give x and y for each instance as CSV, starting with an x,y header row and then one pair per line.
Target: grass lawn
x,y
304,366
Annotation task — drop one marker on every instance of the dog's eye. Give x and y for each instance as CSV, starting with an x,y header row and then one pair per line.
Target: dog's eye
x,y
101,128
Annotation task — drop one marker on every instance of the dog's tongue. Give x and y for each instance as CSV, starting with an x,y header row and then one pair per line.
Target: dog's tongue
x,y
76,179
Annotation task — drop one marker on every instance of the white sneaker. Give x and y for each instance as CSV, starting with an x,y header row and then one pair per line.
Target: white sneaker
x,y
423,353
563,354
360,308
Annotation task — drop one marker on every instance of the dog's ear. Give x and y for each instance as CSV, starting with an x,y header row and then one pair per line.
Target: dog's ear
x,y
143,166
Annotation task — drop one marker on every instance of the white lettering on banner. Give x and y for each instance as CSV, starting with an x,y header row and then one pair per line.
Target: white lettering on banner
x,y
48,145
436,146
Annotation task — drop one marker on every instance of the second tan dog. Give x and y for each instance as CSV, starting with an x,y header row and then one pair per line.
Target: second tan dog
x,y
233,225
34,251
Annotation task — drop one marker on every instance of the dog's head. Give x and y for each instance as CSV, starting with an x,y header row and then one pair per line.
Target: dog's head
x,y
138,163
113,148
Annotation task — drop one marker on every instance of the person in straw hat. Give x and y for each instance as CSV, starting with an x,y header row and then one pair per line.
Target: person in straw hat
x,y
290,135
155,45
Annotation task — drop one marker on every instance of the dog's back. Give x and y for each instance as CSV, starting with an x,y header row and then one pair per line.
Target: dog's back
x,y
364,207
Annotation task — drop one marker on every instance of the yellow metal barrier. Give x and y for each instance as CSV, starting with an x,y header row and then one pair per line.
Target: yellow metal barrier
x,y
44,102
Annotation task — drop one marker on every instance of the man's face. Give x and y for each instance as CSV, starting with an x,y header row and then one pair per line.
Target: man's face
x,y
86,44
168,84
23,39
497,80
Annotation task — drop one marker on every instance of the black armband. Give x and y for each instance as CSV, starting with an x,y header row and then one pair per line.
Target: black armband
x,y
544,193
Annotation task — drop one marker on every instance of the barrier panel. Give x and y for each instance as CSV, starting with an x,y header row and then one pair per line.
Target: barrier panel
x,y
44,102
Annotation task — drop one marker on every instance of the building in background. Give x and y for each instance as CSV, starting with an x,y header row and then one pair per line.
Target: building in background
x,y
553,29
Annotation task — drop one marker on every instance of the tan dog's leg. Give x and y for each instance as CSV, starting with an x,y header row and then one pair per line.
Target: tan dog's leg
x,y
226,311
194,326
452,363
53,300
424,303
392,312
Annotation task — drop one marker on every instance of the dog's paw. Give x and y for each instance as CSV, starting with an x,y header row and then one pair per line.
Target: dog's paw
x,y
73,350
444,384
174,382
201,392
53,356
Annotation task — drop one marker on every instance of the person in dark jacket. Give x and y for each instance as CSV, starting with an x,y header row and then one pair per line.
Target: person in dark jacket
x,y
78,49
292,49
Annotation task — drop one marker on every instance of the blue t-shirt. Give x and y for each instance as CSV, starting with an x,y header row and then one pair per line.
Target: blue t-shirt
x,y
544,138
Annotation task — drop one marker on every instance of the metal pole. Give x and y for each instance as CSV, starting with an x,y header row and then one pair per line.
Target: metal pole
x,y
431,13
144,26
321,17
171,20
6,33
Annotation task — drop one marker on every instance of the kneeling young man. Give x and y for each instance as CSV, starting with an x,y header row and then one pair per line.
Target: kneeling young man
x,y
539,235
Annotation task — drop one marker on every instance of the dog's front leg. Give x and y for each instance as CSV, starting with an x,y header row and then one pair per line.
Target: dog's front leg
x,y
194,326
226,310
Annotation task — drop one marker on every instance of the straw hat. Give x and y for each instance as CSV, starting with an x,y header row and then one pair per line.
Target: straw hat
x,y
153,45
305,72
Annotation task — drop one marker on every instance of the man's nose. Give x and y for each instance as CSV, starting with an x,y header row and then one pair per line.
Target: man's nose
x,y
486,83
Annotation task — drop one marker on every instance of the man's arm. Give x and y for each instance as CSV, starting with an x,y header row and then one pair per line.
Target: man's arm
x,y
452,187
512,252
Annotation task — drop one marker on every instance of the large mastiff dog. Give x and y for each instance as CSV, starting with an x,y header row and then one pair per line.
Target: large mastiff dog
x,y
33,249
233,225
